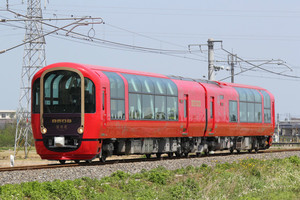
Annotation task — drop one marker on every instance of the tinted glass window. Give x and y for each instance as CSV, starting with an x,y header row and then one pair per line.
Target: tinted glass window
x,y
134,84
152,98
172,108
251,103
117,109
243,112
171,87
267,107
117,96
147,106
233,111
160,87
250,112
160,107
147,84
258,113
135,106
36,96
89,96
62,92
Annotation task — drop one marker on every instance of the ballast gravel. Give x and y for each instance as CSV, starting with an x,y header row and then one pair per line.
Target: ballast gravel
x,y
98,172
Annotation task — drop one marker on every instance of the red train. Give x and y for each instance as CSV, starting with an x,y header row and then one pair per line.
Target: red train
x,y
80,112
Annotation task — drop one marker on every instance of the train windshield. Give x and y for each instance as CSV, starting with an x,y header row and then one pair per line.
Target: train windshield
x,y
62,92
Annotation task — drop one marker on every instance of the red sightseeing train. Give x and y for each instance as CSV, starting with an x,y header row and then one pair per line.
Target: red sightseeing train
x,y
81,112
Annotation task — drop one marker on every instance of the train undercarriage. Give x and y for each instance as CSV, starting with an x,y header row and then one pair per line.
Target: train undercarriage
x,y
181,147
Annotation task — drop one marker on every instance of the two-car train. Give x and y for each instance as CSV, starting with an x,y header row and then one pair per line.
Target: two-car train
x,y
80,112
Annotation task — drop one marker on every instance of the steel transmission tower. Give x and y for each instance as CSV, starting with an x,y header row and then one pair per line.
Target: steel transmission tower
x,y
33,59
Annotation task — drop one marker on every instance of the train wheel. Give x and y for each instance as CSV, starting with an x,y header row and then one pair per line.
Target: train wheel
x,y
158,155
249,150
231,150
88,161
186,155
256,150
170,154
103,158
148,155
62,162
198,154
238,151
77,161
178,155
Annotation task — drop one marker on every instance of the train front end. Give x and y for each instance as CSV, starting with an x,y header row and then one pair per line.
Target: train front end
x,y
64,114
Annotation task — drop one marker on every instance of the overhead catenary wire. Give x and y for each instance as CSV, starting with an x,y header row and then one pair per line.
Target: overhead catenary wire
x,y
257,66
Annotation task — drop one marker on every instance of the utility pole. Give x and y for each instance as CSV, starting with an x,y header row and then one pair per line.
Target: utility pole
x,y
33,60
232,61
211,67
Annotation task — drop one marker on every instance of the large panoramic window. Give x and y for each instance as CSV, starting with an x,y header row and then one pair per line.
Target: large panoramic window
x,y
117,96
250,105
151,98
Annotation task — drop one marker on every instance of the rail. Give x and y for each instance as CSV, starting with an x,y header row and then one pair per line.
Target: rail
x,y
131,160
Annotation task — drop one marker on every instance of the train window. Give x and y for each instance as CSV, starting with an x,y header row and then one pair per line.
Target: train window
x,y
242,94
243,112
152,98
171,87
257,96
250,112
89,96
250,105
36,96
160,87
117,109
250,95
135,106
172,113
233,111
117,96
62,92
267,107
147,84
160,107
257,116
147,106
134,84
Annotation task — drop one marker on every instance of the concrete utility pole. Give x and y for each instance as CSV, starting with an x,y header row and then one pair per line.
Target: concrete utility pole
x,y
232,61
211,67
211,57
33,60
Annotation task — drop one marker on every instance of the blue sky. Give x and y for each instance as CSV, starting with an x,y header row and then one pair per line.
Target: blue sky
x,y
254,30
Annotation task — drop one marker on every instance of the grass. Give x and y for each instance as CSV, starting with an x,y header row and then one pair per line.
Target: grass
x,y
246,179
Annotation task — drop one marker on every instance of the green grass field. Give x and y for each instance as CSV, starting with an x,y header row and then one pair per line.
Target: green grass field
x,y
247,179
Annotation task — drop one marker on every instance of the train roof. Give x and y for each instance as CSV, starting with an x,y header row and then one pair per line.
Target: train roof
x,y
112,69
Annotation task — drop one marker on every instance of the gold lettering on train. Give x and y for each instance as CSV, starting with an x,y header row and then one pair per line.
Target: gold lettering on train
x,y
61,121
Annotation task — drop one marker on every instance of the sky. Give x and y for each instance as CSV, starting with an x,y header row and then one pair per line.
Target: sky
x,y
257,31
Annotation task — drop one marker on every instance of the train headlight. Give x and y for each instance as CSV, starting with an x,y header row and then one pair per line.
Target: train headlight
x,y
43,130
80,130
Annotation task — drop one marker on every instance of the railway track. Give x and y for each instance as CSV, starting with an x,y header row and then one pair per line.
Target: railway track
x,y
131,160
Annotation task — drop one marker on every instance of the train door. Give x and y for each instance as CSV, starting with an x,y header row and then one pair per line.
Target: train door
x,y
104,107
186,113
211,116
